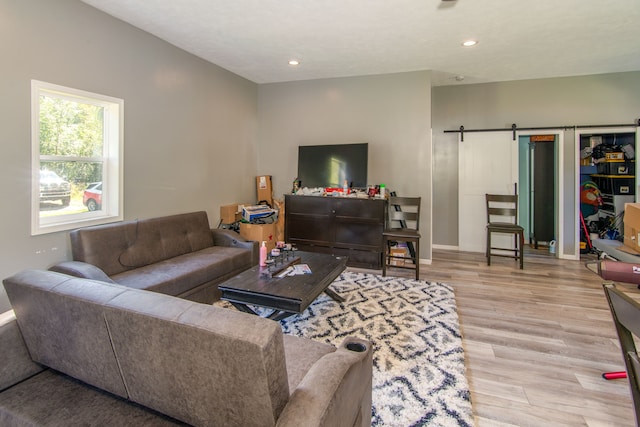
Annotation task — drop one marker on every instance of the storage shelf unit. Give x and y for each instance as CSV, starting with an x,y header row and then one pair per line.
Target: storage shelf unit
x,y
340,226
616,190
615,184
608,161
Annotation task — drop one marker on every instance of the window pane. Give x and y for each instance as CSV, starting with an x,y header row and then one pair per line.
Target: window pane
x,y
69,128
70,187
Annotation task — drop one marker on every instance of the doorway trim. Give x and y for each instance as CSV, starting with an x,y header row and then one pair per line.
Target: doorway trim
x,y
560,176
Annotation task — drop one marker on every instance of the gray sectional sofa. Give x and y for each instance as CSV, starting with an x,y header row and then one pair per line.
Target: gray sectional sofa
x,y
85,352
178,255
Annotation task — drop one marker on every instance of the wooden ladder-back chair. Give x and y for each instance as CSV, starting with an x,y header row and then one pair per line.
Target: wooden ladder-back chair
x,y
626,317
402,225
502,217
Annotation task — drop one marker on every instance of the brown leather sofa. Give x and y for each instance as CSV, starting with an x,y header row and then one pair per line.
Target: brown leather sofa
x,y
84,352
178,255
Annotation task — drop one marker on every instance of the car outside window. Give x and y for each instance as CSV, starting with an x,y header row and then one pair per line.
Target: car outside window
x,y
53,188
77,141
92,197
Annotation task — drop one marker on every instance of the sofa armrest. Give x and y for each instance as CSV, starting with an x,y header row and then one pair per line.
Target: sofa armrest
x,y
81,269
336,391
223,237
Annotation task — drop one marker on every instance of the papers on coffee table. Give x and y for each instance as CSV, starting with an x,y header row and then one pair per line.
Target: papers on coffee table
x,y
295,270
300,269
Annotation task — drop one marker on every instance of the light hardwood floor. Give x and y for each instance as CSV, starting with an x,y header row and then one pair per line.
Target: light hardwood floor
x,y
536,340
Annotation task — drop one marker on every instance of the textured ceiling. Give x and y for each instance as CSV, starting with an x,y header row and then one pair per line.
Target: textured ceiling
x,y
336,38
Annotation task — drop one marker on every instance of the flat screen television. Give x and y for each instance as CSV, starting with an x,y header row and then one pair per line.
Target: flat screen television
x,y
330,165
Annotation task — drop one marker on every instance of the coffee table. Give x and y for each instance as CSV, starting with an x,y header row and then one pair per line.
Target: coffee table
x,y
286,295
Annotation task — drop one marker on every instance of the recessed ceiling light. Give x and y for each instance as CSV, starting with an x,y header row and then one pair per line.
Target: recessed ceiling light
x,y
294,62
469,43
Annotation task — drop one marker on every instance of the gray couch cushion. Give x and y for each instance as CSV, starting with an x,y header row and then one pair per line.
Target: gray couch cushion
x,y
202,364
122,246
178,275
62,322
16,363
56,400
102,245
157,239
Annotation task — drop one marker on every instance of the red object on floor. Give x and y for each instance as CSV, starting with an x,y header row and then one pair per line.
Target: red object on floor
x,y
614,375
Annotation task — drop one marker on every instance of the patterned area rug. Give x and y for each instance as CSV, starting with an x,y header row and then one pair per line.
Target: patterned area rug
x,y
418,360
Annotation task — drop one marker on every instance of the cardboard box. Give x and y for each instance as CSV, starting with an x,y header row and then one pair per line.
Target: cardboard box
x,y
632,226
230,214
259,233
264,189
403,252
251,213
279,206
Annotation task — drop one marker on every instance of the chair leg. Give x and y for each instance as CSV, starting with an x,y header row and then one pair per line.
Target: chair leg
x,y
488,252
417,260
521,250
385,257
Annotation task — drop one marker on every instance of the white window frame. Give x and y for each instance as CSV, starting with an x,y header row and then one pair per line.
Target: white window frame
x,y
112,159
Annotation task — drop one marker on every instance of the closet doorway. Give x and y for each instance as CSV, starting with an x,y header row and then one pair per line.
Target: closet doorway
x,y
607,170
538,165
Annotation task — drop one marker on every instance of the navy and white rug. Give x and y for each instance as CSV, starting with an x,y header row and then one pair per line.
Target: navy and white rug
x,y
418,360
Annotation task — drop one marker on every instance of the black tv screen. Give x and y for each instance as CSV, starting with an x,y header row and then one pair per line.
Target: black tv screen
x,y
331,165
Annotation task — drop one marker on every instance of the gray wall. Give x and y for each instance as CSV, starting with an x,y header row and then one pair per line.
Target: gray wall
x,y
589,100
190,126
391,112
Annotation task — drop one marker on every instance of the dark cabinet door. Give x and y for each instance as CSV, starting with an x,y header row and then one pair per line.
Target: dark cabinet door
x,y
340,226
358,224
307,220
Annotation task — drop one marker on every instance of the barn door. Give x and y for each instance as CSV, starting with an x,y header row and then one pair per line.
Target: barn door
x,y
488,163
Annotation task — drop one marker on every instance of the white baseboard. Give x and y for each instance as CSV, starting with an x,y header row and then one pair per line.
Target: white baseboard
x,y
446,247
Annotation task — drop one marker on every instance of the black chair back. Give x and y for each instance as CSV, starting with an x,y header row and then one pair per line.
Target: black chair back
x,y
502,206
403,213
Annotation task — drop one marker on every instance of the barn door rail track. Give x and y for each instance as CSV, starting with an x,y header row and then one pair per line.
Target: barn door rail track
x,y
514,128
